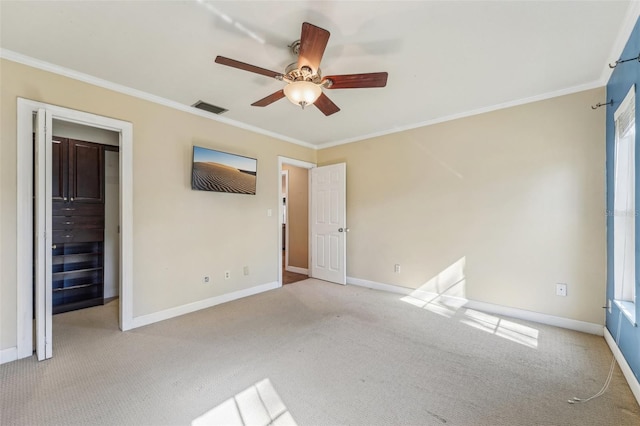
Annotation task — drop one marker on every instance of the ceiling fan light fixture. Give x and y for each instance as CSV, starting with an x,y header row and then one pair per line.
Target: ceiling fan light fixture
x,y
302,92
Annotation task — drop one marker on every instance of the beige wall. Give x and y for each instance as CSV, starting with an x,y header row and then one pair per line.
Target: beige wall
x,y
179,234
298,212
516,196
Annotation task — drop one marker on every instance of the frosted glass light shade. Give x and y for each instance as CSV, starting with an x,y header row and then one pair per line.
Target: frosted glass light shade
x,y
302,92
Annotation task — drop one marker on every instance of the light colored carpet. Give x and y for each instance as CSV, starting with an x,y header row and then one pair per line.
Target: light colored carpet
x,y
322,354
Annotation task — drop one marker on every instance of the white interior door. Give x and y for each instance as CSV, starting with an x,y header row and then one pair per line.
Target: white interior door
x,y
328,223
43,245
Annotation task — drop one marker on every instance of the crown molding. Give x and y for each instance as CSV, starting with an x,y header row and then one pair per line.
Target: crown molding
x,y
483,110
86,78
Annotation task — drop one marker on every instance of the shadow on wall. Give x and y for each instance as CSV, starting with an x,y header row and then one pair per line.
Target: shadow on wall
x,y
444,295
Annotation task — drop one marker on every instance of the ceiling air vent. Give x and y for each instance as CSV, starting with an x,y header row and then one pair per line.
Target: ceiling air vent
x,y
209,108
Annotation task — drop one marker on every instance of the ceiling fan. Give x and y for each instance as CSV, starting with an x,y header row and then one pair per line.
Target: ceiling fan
x,y
303,78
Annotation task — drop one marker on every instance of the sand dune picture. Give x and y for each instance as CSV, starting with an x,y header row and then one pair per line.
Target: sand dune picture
x,y
223,172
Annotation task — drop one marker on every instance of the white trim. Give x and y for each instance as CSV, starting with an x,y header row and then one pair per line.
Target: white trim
x,y
571,324
126,227
624,366
46,66
379,286
24,231
8,355
568,323
201,304
628,309
285,215
86,78
483,110
293,162
297,270
24,246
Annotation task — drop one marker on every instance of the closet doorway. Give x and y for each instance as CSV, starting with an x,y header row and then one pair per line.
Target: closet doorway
x,y
85,217
35,226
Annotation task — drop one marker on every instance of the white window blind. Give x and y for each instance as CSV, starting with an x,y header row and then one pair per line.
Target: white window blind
x,y
625,115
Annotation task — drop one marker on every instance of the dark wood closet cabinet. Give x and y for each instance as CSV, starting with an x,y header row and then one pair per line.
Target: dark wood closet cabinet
x,y
77,224
77,171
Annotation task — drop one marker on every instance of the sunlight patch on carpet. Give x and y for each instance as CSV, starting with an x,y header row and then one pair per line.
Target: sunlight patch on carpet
x,y
258,405
444,295
509,330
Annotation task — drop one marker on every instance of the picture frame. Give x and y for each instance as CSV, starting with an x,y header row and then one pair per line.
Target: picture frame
x,y
220,171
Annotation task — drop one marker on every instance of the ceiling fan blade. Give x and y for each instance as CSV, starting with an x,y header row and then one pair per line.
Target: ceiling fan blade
x,y
269,99
326,105
313,41
357,81
246,67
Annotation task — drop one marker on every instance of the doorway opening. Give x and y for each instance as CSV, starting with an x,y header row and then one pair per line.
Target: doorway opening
x,y
85,258
35,236
294,202
295,224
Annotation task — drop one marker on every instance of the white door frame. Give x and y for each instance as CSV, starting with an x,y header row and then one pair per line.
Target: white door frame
x,y
284,175
298,163
42,221
24,248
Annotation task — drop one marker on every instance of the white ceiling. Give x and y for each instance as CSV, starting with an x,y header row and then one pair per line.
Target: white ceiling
x,y
445,59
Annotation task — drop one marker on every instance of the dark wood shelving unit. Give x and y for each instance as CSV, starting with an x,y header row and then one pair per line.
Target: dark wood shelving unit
x,y
78,224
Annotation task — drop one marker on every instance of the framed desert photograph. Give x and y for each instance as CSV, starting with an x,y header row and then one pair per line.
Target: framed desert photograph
x,y
223,172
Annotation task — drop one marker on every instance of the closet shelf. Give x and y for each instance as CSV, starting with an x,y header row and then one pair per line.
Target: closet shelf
x,y
88,253
75,287
75,271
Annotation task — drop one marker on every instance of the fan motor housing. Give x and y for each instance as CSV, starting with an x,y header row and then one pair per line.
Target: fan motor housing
x,y
293,73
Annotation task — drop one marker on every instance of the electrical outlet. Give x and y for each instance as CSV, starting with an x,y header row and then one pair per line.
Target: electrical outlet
x,y
561,289
227,275
396,268
245,270
205,279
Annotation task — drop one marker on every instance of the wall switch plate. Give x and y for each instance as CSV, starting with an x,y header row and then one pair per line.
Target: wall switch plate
x,y
227,275
396,268
245,270
561,289
609,305
269,212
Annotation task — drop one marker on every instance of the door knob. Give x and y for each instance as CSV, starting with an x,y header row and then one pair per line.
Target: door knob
x,y
343,229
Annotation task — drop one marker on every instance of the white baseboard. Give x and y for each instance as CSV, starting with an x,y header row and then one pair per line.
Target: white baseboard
x,y
8,355
571,324
379,286
624,366
201,304
297,270
568,323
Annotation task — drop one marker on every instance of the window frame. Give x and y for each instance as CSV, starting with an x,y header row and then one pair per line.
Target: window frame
x,y
627,106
